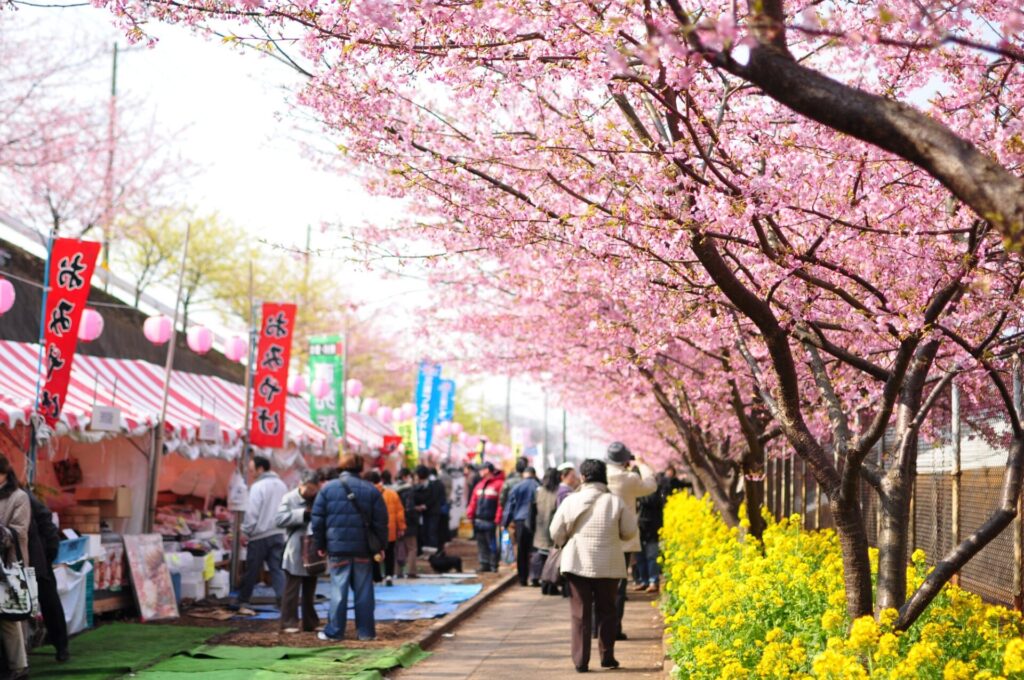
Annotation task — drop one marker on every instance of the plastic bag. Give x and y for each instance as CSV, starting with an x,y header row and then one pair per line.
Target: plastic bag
x,y
508,553
238,493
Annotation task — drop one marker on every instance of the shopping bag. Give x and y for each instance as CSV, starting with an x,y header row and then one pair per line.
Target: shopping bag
x,y
508,553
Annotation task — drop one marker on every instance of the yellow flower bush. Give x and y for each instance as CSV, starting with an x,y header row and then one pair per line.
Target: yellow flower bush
x,y
737,608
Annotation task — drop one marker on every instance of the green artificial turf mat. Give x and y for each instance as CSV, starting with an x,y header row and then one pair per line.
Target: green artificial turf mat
x,y
117,649
224,662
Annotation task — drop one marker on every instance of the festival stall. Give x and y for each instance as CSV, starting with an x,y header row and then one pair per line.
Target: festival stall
x,y
93,465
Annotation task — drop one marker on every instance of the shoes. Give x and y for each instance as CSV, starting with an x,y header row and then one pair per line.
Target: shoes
x,y
621,636
640,587
368,639
291,630
653,588
63,655
609,663
326,638
582,669
388,582
535,583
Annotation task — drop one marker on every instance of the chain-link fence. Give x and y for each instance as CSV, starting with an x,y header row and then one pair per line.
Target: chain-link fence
x,y
961,464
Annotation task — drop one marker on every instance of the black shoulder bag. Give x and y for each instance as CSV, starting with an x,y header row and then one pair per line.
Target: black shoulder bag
x,y
373,541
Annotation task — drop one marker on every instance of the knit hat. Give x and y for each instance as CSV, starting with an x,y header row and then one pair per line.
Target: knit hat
x,y
567,465
619,453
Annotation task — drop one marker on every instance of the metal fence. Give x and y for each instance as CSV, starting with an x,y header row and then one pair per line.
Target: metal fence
x,y
960,472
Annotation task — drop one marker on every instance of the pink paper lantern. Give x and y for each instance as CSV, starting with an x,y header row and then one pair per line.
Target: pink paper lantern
x,y
321,388
296,384
463,438
408,411
157,329
236,348
6,296
91,325
385,414
370,406
200,339
442,430
456,429
472,442
353,387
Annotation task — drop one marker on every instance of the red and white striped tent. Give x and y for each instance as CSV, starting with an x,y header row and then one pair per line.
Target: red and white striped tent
x,y
136,388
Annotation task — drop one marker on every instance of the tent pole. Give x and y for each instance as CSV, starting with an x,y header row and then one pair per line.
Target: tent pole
x,y
158,435
243,458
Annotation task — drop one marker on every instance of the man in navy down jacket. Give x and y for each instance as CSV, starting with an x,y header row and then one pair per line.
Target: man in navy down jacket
x,y
338,530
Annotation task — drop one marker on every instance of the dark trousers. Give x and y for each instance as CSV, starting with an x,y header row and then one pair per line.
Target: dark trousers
x,y
620,597
429,531
524,546
387,567
592,597
487,549
269,550
290,602
53,613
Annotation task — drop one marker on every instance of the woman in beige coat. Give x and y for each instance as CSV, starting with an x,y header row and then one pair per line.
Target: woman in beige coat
x,y
591,525
15,515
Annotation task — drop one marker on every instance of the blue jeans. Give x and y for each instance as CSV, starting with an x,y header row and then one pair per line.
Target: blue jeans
x,y
648,570
355,573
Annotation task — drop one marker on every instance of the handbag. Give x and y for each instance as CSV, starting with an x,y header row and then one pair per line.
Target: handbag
x,y
551,572
312,561
17,584
373,541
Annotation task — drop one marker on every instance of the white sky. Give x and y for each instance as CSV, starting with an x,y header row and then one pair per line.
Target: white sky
x,y
232,111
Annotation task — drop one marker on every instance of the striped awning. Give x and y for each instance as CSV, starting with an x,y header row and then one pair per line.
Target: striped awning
x,y
136,388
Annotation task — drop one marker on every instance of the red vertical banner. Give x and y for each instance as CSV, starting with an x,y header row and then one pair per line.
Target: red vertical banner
x,y
72,263
273,352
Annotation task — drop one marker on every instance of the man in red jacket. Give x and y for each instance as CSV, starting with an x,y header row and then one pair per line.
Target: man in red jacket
x,y
485,512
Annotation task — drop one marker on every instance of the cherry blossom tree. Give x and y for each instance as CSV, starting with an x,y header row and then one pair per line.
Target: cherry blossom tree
x,y
842,238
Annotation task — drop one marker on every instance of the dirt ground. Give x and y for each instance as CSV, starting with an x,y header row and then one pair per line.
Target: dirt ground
x,y
389,633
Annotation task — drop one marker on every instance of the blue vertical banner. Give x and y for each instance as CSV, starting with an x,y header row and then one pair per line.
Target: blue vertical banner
x,y
446,401
427,398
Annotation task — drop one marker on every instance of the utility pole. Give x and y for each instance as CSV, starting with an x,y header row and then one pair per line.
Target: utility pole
x,y
108,176
508,405
545,447
565,438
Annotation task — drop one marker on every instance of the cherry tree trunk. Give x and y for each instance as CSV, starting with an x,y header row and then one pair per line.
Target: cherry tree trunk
x,y
753,494
893,541
853,540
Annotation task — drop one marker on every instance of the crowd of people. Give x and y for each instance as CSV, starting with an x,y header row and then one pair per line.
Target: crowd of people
x,y
599,524
359,527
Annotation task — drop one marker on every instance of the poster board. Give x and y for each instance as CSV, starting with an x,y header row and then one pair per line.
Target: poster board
x,y
151,580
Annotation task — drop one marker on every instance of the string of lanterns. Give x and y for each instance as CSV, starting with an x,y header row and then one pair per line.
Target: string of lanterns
x,y
159,328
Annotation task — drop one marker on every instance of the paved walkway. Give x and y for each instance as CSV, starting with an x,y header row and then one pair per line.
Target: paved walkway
x,y
523,635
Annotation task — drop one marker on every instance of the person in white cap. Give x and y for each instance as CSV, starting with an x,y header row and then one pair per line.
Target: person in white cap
x,y
568,480
625,482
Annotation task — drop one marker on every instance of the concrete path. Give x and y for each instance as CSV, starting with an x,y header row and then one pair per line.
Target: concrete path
x,y
523,635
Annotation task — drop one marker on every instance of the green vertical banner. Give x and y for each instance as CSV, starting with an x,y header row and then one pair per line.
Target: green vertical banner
x,y
406,429
326,363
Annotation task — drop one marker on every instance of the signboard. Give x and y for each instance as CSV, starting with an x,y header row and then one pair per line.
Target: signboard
x,y
105,419
326,354
445,401
406,429
427,402
273,352
71,265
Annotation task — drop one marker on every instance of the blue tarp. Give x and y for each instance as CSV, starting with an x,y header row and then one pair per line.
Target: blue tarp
x,y
401,602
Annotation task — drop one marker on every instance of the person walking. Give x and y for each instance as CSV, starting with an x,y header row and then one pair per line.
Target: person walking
x,y
650,519
396,528
266,539
429,499
43,544
348,522
569,480
15,519
405,547
629,484
512,481
592,526
484,512
293,516
545,502
517,515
